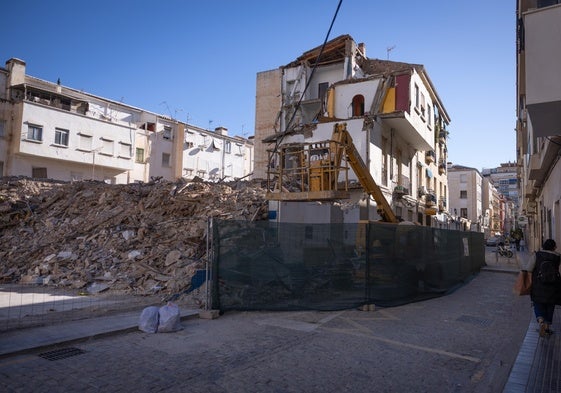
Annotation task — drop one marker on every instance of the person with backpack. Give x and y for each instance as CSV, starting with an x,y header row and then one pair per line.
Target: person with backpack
x,y
546,285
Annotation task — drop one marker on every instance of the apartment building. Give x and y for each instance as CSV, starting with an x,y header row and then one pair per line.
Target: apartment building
x,y
493,209
392,111
538,126
52,131
466,196
505,180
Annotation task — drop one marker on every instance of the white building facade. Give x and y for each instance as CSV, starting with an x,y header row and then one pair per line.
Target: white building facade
x,y
51,131
538,126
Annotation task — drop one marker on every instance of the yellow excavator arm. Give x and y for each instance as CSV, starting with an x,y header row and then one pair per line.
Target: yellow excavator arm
x,y
342,138
312,171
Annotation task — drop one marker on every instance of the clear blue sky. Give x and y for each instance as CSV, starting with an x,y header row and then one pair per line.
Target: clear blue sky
x,y
197,60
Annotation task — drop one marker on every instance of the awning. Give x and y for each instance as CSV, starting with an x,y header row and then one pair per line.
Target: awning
x,y
429,173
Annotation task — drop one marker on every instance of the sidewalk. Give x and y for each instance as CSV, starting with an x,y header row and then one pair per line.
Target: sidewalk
x,y
538,365
23,340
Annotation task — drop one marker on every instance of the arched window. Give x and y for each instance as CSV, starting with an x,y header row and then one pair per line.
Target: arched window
x,y
358,105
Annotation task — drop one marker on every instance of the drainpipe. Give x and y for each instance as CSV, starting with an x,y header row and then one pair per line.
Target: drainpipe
x,y
368,167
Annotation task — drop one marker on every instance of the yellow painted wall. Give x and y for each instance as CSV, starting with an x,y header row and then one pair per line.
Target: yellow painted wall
x,y
389,101
331,102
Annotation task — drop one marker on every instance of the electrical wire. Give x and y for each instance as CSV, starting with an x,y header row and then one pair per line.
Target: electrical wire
x,y
288,125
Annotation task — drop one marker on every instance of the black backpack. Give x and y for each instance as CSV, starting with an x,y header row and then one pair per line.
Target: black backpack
x,y
548,272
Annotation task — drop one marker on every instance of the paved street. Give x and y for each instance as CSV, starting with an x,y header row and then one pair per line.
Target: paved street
x,y
464,342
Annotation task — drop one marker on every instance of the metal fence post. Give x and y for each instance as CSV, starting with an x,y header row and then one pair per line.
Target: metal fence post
x,y
209,256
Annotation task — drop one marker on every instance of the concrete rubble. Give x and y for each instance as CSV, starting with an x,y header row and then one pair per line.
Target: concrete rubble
x,y
141,238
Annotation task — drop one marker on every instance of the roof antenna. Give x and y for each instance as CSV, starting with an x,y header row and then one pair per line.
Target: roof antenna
x,y
388,50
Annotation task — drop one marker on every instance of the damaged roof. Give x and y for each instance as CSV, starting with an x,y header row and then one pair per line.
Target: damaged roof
x,y
333,52
340,47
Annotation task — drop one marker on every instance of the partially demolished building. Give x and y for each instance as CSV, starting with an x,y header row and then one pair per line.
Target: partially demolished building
x,y
391,109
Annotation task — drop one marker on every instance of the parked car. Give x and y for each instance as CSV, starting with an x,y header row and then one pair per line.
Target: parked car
x,y
493,241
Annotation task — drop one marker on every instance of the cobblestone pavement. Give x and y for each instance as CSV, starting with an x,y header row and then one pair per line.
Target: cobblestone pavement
x,y
466,341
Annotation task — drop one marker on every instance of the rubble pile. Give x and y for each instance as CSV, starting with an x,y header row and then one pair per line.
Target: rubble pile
x,y
141,238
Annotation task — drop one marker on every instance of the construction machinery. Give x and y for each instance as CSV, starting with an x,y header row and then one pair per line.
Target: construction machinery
x,y
319,171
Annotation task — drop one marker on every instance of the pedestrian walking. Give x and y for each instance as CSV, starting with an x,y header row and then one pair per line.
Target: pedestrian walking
x,y
546,285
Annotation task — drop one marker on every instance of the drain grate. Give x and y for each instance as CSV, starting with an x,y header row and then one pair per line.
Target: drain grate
x,y
63,353
474,320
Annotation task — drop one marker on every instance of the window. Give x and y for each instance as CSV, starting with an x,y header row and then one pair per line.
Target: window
x,y
166,160
422,105
547,3
2,128
463,194
464,212
85,142
124,150
167,132
139,155
227,147
322,90
34,133
358,105
39,173
61,137
106,146
417,96
429,115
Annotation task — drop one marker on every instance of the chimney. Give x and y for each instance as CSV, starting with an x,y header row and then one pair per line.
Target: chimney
x,y
16,67
362,49
221,130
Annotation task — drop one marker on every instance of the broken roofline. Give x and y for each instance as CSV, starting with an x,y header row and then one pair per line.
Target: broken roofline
x,y
335,51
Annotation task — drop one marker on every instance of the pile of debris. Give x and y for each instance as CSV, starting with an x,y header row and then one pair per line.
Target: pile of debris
x,y
141,238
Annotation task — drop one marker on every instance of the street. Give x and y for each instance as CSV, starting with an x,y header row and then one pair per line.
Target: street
x,y
466,341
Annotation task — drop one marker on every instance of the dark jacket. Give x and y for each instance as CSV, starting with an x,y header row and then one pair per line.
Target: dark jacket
x,y
545,293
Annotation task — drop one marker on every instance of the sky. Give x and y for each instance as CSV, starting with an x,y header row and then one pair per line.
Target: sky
x,y
197,61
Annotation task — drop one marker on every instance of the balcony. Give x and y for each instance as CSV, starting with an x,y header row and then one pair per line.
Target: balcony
x,y
540,163
430,156
430,198
400,190
442,204
420,138
441,167
442,135
542,57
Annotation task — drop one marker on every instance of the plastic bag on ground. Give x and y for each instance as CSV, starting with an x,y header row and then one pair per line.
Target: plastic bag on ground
x,y
149,319
170,318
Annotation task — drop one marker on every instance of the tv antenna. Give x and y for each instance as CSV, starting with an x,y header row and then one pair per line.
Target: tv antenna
x,y
388,50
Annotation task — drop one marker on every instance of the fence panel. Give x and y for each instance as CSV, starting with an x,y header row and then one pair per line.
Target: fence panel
x,y
282,266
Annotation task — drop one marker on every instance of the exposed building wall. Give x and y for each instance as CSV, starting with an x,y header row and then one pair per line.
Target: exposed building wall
x,y
267,107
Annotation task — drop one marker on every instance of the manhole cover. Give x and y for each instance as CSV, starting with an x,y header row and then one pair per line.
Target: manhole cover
x,y
63,353
474,320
